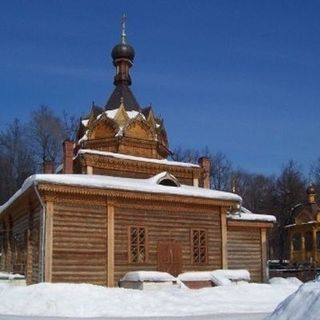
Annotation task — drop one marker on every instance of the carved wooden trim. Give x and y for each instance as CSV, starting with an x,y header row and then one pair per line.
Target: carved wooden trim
x,y
112,163
144,196
199,246
249,224
137,244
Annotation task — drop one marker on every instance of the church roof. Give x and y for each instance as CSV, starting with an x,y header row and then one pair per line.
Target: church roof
x,y
306,211
247,215
149,185
138,159
122,93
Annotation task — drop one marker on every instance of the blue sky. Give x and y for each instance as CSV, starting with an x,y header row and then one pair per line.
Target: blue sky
x,y
240,77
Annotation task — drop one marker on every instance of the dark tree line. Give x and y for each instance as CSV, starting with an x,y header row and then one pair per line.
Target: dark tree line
x,y
24,146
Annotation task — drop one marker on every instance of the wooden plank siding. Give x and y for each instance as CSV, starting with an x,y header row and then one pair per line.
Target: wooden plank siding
x,y
79,244
163,224
244,251
20,242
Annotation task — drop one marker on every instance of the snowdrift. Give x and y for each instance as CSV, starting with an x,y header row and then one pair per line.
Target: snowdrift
x,y
84,300
301,305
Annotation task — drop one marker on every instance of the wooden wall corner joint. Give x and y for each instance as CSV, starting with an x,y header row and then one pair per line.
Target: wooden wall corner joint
x,y
224,238
263,237
48,241
110,244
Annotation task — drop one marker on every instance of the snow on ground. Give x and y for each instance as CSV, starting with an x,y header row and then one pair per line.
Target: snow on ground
x,y
84,300
301,305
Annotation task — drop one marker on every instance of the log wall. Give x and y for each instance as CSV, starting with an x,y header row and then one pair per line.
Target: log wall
x,y
33,247
162,224
244,251
79,241
20,242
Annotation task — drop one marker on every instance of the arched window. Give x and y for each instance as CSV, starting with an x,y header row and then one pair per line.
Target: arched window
x,y
296,242
167,179
168,182
308,241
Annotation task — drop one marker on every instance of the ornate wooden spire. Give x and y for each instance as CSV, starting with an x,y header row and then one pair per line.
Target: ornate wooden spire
x,y
123,55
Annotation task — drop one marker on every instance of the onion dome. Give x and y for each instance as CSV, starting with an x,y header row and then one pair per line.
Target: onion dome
x,y
311,194
122,55
311,190
122,51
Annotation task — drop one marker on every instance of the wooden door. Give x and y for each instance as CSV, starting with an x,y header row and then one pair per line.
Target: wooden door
x,y
170,257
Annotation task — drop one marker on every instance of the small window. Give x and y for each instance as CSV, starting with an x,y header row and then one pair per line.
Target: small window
x,y
167,179
296,242
308,241
199,246
137,244
168,182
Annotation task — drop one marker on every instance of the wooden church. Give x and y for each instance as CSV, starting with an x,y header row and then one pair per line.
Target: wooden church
x,y
117,205
304,232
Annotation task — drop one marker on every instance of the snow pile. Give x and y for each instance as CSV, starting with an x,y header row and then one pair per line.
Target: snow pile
x,y
11,276
301,305
195,276
247,215
218,277
226,277
84,300
285,281
148,276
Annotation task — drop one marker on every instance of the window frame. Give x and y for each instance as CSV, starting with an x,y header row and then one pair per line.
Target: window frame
x,y
308,241
294,239
193,246
130,256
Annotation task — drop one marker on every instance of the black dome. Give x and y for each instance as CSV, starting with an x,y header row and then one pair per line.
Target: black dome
x,y
122,50
311,190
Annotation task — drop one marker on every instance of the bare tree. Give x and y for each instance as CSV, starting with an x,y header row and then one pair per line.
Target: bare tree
x,y
70,124
241,180
185,155
47,132
221,169
314,175
16,159
260,196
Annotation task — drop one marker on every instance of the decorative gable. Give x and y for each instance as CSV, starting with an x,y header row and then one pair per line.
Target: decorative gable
x,y
139,129
121,117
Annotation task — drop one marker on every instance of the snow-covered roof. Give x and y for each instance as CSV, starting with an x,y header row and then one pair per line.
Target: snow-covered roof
x,y
112,114
134,158
247,215
128,184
